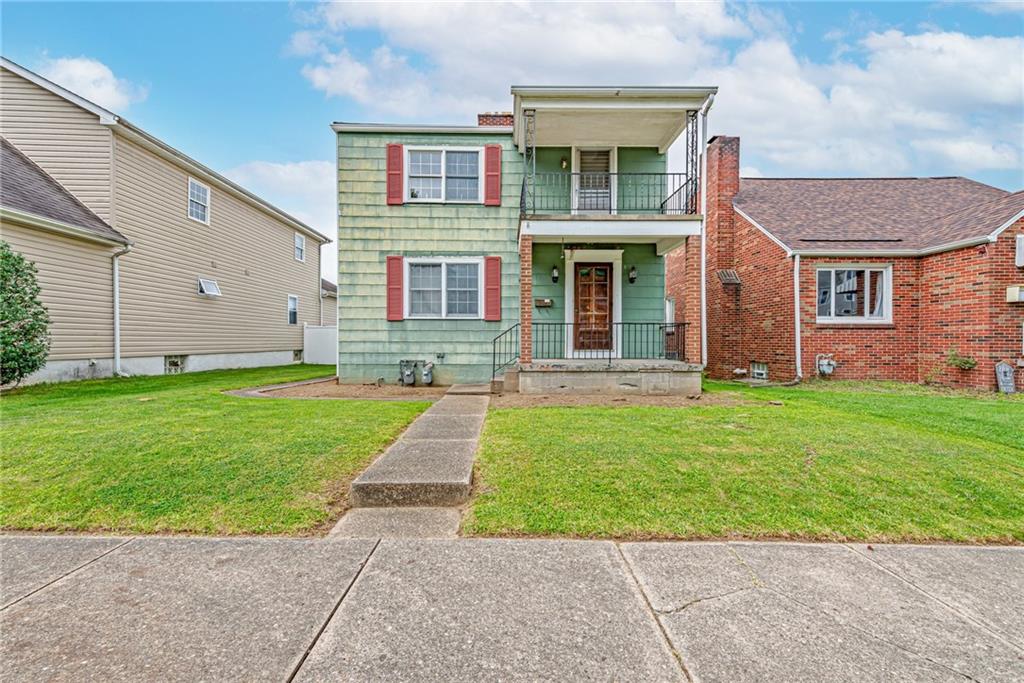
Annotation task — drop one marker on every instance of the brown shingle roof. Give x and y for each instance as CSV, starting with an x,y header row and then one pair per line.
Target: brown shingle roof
x,y
328,286
27,188
875,214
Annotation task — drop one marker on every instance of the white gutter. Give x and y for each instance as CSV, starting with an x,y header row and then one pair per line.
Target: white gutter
x,y
342,127
34,221
117,307
796,316
705,110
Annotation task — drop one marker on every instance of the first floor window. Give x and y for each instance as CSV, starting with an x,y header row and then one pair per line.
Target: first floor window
x,y
854,294
300,247
293,309
198,201
444,289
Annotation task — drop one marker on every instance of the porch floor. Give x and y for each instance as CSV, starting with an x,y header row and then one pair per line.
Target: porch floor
x,y
599,376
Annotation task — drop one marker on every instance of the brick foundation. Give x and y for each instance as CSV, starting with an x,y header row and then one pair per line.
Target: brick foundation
x,y
525,299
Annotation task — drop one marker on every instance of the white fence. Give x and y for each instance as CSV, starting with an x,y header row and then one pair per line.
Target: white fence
x,y
320,344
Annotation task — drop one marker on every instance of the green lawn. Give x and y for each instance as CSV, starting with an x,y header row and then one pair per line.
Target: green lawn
x,y
834,461
173,454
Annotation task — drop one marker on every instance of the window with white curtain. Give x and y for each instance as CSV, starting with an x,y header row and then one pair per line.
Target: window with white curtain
x,y
854,294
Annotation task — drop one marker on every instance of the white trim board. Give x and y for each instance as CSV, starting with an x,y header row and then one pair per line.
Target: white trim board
x,y
612,257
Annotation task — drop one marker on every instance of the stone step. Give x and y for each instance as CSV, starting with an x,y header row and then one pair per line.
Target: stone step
x,y
469,390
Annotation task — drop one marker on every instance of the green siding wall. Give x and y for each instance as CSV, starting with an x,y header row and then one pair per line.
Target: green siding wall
x,y
642,302
369,230
642,194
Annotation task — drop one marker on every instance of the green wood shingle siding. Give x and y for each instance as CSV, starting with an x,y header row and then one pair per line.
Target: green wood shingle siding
x,y
369,230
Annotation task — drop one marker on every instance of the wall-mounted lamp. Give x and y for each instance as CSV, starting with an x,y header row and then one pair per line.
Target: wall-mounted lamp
x,y
565,163
632,274
554,273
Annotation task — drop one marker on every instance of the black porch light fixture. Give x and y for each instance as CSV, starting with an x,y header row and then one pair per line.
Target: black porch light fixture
x,y
554,274
632,274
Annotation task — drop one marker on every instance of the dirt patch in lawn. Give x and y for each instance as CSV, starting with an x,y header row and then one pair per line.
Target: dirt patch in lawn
x,y
331,389
613,401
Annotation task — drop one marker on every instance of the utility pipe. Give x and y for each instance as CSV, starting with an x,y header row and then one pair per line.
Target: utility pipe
x,y
117,307
796,316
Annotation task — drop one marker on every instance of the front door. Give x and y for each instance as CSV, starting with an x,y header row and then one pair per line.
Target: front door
x,y
593,315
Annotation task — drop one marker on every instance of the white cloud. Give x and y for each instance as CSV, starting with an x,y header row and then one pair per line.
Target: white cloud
x,y
885,102
305,189
1001,6
93,80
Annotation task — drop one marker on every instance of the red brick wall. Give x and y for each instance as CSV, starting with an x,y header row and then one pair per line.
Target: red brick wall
x,y
882,351
965,307
766,302
682,283
525,299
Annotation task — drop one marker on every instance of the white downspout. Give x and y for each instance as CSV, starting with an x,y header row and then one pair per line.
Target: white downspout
x,y
796,316
115,257
703,231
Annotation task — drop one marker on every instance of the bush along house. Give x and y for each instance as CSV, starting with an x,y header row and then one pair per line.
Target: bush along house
x,y
530,248
909,279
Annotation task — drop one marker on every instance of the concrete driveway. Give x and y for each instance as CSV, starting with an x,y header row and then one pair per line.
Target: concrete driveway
x,y
78,608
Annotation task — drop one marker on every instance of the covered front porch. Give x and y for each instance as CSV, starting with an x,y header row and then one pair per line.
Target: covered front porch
x,y
594,319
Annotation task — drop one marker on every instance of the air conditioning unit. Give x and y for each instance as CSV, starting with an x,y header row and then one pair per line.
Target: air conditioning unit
x,y
1015,293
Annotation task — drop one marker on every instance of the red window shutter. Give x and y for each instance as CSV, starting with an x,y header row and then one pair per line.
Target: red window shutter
x,y
395,293
395,191
492,288
492,176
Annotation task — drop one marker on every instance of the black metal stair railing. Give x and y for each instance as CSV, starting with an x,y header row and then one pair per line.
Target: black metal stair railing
x,y
504,350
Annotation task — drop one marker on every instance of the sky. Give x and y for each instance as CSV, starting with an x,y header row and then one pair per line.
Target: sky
x,y
812,89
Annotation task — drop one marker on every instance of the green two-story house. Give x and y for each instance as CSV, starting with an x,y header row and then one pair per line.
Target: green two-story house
x,y
530,248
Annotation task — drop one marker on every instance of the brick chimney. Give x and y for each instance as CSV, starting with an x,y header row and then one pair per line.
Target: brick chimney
x,y
723,300
494,118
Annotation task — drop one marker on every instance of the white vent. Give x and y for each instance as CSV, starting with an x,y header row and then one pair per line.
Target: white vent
x,y
1020,251
209,288
759,371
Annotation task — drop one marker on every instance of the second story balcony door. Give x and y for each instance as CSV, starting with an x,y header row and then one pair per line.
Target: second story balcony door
x,y
593,190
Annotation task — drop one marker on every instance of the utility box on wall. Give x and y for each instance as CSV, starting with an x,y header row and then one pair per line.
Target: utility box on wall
x,y
1015,293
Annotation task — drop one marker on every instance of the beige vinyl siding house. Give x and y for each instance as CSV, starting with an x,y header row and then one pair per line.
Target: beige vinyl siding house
x,y
141,187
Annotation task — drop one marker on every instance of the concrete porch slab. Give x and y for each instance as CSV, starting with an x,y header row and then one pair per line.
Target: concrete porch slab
x,y
472,610
27,563
644,377
406,522
181,609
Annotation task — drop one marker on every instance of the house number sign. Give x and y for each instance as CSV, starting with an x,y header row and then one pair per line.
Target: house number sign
x,y
1004,378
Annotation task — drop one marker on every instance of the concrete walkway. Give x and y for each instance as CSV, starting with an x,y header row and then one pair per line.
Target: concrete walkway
x,y
78,608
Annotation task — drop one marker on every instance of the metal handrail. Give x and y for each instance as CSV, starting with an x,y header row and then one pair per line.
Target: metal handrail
x,y
613,193
504,350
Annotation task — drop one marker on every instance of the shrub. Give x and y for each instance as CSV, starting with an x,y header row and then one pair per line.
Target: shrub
x,y
955,360
24,322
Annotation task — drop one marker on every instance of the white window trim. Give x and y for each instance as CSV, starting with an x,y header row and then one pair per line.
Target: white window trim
x,y
303,247
885,319
409,199
613,257
443,261
288,311
188,201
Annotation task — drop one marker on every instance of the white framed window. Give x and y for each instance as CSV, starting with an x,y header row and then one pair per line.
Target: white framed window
x,y
759,371
444,174
208,288
300,247
854,294
293,309
444,287
198,201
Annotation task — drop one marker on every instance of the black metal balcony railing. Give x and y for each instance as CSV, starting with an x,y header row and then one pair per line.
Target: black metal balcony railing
x,y
611,193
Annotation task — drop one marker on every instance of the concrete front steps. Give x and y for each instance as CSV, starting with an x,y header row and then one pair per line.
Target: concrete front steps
x,y
431,464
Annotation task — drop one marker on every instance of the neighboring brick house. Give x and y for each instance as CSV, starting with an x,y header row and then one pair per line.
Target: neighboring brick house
x,y
885,275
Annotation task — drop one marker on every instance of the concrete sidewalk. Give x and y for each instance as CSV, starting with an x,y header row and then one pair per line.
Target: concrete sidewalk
x,y
157,608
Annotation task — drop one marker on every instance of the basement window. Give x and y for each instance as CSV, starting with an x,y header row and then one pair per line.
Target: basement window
x,y
759,371
852,294
174,365
209,288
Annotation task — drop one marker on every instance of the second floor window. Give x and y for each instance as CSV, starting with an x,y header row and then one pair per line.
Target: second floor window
x,y
300,247
198,201
444,175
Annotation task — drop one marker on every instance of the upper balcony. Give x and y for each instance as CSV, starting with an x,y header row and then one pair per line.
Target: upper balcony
x,y
603,153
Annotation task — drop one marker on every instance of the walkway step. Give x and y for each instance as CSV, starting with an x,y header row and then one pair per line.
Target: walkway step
x,y
410,522
469,390
431,464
